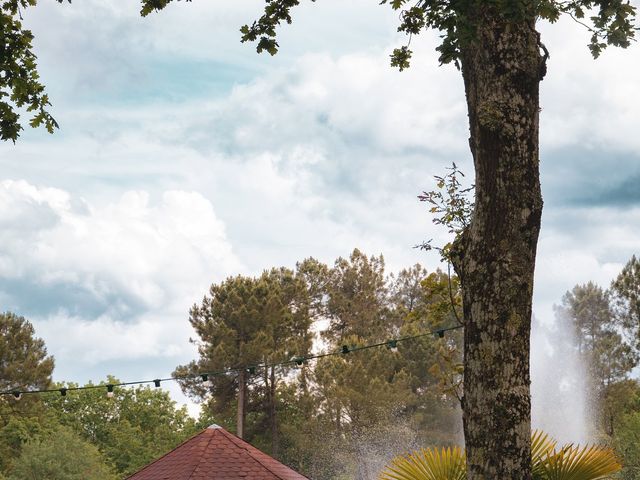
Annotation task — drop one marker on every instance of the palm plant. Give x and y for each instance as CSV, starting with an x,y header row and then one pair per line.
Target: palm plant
x,y
570,462
428,464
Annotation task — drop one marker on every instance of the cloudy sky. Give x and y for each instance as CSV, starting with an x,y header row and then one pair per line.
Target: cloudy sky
x,y
184,157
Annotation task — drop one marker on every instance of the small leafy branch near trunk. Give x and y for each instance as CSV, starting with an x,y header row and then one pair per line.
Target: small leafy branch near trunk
x,y
451,207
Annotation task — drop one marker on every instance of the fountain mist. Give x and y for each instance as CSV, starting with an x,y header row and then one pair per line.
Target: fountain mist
x,y
560,401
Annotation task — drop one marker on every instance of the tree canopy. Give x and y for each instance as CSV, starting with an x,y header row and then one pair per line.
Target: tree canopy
x,y
321,417
24,363
60,454
609,22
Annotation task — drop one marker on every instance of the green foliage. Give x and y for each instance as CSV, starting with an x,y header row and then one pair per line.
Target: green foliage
x,y
450,201
547,463
24,363
450,206
131,429
625,290
627,444
20,86
609,22
20,422
319,417
597,335
60,454
356,298
598,340
243,322
149,6
364,306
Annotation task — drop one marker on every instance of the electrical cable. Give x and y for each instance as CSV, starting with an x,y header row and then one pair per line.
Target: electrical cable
x,y
251,369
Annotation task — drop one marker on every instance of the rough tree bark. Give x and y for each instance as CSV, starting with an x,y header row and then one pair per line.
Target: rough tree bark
x,y
495,256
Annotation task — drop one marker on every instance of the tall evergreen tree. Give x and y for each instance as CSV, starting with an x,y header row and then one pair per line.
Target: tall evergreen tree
x,y
387,393
357,298
244,322
589,309
625,289
24,365
609,358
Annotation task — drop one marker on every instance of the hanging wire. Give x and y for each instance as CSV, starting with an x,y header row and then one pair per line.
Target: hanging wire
x,y
251,369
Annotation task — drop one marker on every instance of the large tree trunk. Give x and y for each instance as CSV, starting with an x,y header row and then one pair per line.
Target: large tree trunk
x,y
495,256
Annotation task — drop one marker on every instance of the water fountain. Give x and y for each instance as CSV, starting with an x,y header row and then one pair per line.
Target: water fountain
x,y
560,400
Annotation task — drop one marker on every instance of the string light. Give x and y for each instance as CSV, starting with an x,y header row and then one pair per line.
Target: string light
x,y
205,377
205,380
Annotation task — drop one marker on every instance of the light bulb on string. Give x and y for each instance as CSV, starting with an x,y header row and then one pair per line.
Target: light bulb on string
x,y
298,360
206,383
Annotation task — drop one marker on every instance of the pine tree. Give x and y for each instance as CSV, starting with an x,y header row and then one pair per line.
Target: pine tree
x,y
625,289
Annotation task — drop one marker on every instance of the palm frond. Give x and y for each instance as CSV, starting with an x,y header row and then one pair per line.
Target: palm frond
x,y
542,445
547,463
590,462
428,464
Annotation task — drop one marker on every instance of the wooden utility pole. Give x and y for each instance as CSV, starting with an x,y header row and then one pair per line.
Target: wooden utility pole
x,y
242,380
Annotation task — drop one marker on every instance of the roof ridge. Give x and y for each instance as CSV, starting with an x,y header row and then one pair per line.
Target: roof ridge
x,y
239,442
166,454
201,458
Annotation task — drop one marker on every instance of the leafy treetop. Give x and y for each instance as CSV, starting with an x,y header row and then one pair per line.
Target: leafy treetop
x,y
610,22
20,87
24,362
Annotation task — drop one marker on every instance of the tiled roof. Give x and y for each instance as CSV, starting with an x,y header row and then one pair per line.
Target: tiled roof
x,y
215,454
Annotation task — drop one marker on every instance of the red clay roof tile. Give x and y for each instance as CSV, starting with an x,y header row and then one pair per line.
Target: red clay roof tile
x,y
215,454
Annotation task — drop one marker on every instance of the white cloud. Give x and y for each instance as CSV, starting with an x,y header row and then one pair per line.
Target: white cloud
x,y
122,274
587,102
580,244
